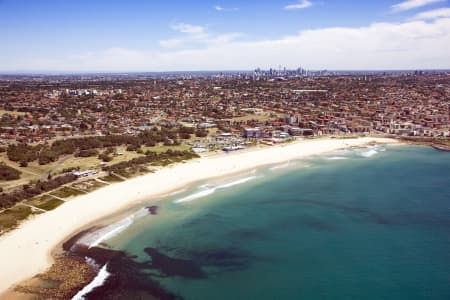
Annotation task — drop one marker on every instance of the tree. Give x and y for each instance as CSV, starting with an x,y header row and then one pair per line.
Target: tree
x,y
8,173
201,133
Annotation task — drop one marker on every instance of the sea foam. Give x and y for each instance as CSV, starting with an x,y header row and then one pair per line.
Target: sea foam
x,y
97,237
369,153
233,183
196,195
213,189
277,167
337,158
110,231
99,280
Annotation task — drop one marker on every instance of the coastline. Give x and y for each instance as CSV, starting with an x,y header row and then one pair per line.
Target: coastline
x,y
43,234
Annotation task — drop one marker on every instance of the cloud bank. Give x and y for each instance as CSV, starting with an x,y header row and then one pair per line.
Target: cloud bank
x,y
413,44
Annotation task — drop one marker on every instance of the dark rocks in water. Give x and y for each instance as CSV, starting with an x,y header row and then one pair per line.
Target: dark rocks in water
x,y
169,266
67,275
129,280
128,276
152,210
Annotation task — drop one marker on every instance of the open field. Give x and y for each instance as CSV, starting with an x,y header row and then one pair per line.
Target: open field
x,y
66,192
111,179
11,217
45,202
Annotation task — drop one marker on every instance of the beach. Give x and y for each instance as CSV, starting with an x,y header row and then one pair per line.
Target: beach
x,y
27,250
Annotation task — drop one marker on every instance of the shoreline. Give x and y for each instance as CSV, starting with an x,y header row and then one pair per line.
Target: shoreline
x,y
43,235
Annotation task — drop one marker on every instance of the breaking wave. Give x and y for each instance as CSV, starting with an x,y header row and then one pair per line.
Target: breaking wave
x,y
371,151
196,195
176,192
110,231
233,183
337,158
99,280
97,237
213,189
277,167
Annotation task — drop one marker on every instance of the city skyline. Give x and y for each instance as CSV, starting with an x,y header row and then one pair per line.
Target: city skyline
x,y
138,36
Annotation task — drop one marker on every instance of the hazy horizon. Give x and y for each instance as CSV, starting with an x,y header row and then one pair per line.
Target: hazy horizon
x,y
182,72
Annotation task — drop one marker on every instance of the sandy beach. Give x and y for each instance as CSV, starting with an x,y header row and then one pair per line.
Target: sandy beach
x,y
27,250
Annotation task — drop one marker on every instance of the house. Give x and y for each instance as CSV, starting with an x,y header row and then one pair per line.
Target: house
x,y
252,133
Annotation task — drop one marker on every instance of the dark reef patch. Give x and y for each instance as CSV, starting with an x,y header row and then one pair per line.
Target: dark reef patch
x,y
152,210
127,274
170,266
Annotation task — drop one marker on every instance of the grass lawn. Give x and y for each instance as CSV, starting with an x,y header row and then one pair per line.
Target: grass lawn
x,y
50,204
11,217
45,202
111,179
66,192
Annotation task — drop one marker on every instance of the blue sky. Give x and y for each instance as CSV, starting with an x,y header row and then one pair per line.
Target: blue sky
x,y
140,35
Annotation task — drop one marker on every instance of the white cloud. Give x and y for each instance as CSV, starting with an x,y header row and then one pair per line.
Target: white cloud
x,y
407,45
195,35
224,38
221,8
300,5
172,43
412,4
433,14
190,33
188,28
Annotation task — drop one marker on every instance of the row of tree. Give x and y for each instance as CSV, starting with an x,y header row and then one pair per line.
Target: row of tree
x,y
27,191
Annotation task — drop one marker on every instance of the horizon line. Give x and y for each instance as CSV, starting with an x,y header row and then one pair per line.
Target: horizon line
x,y
42,72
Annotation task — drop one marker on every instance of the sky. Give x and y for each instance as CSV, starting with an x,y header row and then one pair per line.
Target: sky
x,y
175,35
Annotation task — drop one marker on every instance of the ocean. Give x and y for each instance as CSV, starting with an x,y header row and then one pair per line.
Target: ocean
x,y
362,223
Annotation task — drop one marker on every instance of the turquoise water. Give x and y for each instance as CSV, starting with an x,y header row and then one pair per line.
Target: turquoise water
x,y
370,223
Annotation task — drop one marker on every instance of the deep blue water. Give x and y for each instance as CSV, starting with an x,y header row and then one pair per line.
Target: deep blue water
x,y
374,224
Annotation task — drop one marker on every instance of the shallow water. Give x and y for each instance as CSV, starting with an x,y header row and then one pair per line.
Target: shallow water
x,y
370,223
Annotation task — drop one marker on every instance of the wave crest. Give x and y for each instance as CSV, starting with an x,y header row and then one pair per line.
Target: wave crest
x,y
212,190
99,280
337,158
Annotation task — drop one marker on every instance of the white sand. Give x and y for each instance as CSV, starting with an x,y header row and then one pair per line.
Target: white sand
x,y
26,251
